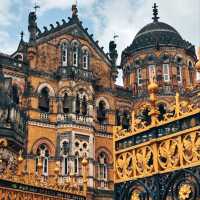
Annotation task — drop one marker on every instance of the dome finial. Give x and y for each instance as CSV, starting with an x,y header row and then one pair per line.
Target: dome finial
x,y
155,13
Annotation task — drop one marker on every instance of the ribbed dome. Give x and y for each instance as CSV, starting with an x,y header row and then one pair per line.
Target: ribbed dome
x,y
158,34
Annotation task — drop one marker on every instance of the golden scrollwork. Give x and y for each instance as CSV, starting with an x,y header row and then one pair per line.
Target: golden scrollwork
x,y
184,192
168,154
191,147
124,164
177,111
161,156
144,160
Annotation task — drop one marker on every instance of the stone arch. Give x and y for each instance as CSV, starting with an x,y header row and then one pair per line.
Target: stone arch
x,y
51,90
63,40
46,141
86,89
103,99
64,90
74,41
106,151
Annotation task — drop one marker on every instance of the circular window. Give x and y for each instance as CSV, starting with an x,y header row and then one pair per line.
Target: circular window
x,y
85,145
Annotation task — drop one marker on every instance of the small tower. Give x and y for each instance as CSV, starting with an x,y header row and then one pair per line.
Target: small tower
x,y
32,26
74,9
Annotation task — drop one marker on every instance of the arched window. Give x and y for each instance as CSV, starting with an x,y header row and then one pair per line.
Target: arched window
x,y
19,57
118,118
85,59
44,100
65,148
101,112
102,167
64,54
75,54
42,154
77,104
64,154
15,94
190,68
126,120
84,106
66,104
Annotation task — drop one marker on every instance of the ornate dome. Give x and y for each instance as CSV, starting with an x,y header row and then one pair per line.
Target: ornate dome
x,y
158,34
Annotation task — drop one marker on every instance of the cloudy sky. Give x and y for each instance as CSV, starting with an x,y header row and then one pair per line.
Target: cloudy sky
x,y
104,18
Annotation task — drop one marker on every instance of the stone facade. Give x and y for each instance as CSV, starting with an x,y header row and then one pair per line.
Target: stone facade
x,y
65,83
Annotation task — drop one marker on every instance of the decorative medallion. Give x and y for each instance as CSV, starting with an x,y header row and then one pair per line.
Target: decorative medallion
x,y
124,165
135,196
184,192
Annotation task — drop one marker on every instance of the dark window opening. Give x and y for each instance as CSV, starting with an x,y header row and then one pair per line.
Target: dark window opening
x,y
77,104
145,117
162,112
101,112
126,120
118,118
84,106
44,100
15,94
66,104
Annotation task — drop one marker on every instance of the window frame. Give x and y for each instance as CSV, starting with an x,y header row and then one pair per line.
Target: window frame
x,y
65,166
179,75
65,55
150,67
139,76
166,67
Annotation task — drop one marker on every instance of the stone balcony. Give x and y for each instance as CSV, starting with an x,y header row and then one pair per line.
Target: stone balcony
x,y
73,118
75,73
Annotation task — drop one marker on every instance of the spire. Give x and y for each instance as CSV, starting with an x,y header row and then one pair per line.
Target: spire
x,y
36,6
155,13
74,9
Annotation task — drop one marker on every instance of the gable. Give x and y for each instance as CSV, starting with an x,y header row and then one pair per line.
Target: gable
x,y
73,28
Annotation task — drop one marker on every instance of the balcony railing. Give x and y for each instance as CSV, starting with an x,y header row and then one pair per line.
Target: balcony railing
x,y
76,73
73,118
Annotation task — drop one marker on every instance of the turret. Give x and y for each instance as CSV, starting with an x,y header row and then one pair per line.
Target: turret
x,y
32,26
113,57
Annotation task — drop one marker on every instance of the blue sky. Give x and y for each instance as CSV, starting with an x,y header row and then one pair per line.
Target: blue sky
x,y
104,18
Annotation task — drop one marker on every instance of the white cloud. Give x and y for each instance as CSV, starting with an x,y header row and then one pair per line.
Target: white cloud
x,y
10,15
46,5
125,18
108,17
8,44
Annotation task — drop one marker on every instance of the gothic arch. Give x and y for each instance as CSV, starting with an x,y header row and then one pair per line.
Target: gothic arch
x,y
63,40
51,90
64,90
46,141
106,151
103,99
86,89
